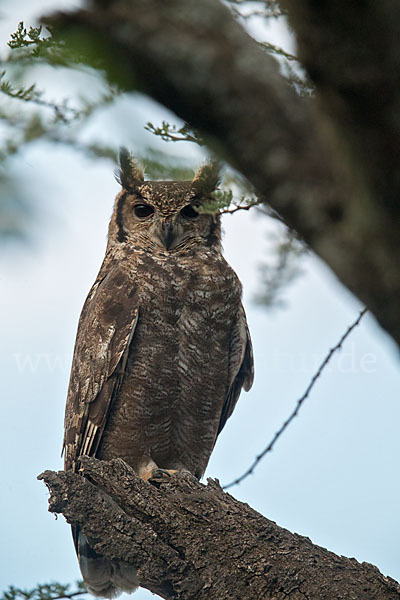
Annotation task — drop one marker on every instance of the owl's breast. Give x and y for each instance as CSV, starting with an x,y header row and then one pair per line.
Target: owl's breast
x,y
172,287
177,374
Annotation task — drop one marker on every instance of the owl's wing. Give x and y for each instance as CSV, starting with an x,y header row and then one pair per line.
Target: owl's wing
x,y
241,366
106,327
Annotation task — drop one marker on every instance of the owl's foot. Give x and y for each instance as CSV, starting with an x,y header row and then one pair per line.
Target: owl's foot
x,y
158,475
154,474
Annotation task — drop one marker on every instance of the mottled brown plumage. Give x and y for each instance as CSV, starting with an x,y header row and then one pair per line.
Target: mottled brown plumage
x,y
162,350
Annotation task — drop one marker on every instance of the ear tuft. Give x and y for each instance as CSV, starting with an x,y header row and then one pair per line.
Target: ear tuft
x,y
130,174
207,178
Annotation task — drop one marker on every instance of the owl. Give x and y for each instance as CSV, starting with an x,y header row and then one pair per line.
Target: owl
x,y
163,348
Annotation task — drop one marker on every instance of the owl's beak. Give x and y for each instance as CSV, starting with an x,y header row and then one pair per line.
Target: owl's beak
x,y
167,234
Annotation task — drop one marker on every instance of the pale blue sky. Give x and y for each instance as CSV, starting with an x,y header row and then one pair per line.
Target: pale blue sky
x,y
334,474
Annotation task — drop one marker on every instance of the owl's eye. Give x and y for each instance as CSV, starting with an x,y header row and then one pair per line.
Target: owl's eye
x,y
142,211
189,212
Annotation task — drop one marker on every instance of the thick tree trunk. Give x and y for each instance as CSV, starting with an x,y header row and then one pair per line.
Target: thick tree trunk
x,y
195,542
330,168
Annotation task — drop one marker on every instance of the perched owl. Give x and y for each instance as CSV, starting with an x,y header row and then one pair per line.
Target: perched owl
x,y
162,350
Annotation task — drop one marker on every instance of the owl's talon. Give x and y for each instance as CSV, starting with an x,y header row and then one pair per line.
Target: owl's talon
x,y
161,473
158,475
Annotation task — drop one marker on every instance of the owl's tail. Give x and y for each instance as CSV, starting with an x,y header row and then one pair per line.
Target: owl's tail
x,y
103,577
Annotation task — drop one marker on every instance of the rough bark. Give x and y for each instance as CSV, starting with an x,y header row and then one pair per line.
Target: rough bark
x,y
330,168
194,541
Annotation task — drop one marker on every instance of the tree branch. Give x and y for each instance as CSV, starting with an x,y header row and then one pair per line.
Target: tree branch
x,y
195,59
177,534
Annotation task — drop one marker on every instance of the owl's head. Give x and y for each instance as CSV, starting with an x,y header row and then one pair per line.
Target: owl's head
x,y
164,214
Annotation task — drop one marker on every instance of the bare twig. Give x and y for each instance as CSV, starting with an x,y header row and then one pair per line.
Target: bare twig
x,y
273,49
228,211
298,404
73,595
269,9
46,591
171,133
